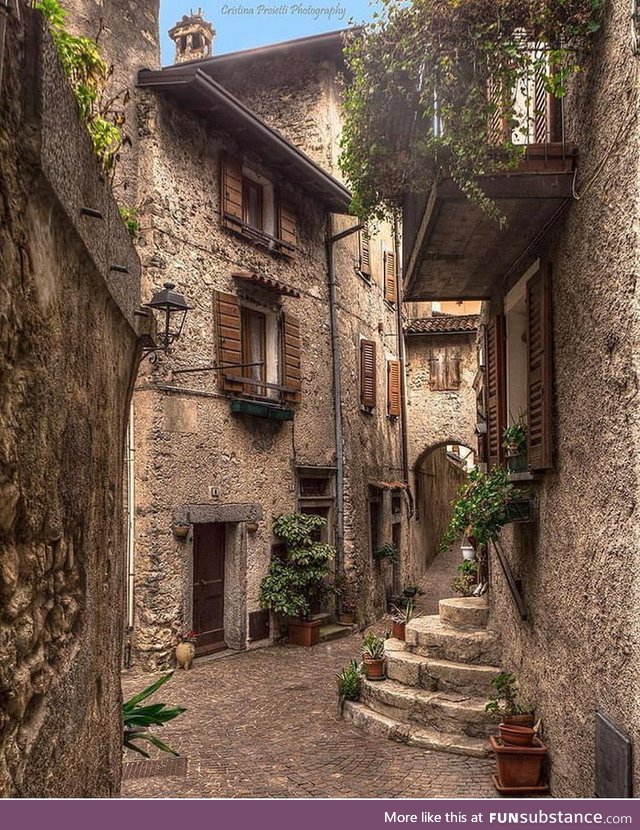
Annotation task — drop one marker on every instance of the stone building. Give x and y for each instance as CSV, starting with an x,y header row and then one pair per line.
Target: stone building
x,y
241,207
560,333
69,349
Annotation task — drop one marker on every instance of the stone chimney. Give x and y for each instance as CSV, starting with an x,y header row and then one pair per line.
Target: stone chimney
x,y
193,37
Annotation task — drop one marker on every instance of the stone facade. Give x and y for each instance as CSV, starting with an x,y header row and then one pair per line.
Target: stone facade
x,y
69,351
578,651
187,439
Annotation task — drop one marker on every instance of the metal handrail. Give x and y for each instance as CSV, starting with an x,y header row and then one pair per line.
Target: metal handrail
x,y
511,581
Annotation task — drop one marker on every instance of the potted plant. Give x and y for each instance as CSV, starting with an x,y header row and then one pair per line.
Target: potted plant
x,y
505,703
465,582
373,656
467,550
399,619
386,553
186,649
347,615
519,767
514,441
349,680
294,583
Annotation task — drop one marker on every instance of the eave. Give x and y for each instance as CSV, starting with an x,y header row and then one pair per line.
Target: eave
x,y
189,86
458,252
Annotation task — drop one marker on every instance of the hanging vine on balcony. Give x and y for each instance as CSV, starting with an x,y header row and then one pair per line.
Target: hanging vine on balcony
x,y
89,75
430,76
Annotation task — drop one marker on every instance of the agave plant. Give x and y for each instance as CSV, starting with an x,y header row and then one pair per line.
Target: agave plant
x,y
138,718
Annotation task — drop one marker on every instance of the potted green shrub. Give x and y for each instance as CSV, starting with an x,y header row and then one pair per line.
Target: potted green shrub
x,y
514,441
373,656
505,704
349,680
293,584
400,616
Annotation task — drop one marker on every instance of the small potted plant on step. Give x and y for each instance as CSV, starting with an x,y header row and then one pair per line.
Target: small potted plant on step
x,y
399,619
373,656
293,585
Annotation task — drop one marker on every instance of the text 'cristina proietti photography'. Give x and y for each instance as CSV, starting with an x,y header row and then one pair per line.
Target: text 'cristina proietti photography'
x,y
319,431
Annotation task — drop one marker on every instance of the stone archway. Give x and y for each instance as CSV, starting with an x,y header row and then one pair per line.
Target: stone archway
x,y
437,475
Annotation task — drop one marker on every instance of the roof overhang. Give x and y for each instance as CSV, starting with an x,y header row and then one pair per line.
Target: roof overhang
x,y
189,86
458,252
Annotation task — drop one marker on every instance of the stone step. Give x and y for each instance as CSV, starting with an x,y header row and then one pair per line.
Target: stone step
x,y
334,631
376,724
429,637
443,711
464,612
438,675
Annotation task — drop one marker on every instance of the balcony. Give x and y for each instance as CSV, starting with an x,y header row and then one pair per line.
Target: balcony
x,y
452,249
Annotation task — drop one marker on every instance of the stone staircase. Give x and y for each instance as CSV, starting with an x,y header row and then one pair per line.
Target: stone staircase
x,y
437,683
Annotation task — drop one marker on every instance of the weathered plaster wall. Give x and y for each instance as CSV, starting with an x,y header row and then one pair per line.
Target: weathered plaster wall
x,y
68,351
579,651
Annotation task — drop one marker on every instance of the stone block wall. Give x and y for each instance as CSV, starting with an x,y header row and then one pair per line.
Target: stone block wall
x,y
579,650
68,352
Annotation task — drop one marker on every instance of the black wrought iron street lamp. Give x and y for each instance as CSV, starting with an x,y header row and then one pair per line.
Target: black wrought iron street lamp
x,y
170,309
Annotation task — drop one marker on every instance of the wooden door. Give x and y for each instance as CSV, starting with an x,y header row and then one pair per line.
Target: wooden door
x,y
208,586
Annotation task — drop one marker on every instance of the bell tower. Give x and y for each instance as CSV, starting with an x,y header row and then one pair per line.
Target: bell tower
x,y
193,37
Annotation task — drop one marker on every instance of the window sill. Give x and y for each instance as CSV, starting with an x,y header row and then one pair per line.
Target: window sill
x,y
261,239
366,278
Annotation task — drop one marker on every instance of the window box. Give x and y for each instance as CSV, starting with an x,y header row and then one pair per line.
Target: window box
x,y
517,463
262,410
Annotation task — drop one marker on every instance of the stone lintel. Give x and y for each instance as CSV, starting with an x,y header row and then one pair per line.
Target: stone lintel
x,y
209,513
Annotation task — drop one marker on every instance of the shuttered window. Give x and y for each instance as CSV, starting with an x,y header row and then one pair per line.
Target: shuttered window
x,y
444,370
390,277
539,370
394,388
496,397
231,201
291,353
229,337
368,373
287,228
364,253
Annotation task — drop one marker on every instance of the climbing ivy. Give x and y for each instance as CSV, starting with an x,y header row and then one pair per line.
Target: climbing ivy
x,y
417,105
89,74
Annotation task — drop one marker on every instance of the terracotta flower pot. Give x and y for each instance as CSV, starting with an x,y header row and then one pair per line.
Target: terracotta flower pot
x,y
302,633
346,619
519,766
398,630
518,720
373,667
516,735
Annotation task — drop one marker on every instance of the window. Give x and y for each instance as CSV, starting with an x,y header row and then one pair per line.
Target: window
x,y
252,206
250,334
394,388
367,374
196,41
444,369
519,372
183,43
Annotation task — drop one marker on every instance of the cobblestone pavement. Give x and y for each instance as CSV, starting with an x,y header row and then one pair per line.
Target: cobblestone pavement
x,y
264,724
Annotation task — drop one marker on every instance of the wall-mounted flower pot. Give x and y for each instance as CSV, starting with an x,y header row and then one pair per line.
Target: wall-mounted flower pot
x,y
373,667
468,552
181,530
303,633
517,463
519,766
398,630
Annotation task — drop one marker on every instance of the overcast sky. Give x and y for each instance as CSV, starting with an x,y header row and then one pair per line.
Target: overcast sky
x,y
242,25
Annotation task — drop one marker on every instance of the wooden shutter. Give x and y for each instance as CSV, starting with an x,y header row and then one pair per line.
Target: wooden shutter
x,y
287,228
367,373
231,192
390,277
436,371
228,332
291,351
394,387
539,370
452,377
496,398
364,264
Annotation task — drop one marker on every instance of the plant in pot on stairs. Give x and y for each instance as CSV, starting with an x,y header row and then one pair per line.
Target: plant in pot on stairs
x,y
373,656
400,616
294,583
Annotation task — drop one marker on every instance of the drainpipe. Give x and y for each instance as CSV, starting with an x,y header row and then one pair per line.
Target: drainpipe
x,y
331,239
401,358
131,530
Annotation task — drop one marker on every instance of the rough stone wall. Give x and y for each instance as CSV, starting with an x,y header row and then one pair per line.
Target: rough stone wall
x,y
579,650
435,419
68,352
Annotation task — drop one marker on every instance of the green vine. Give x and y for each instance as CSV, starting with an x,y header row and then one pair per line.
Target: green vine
x,y
89,75
427,78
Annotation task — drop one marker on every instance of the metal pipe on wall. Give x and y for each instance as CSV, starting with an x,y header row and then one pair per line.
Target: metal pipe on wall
x,y
131,531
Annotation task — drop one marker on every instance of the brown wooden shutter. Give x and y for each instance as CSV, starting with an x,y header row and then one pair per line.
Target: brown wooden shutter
x,y
367,373
393,387
390,277
496,398
436,371
231,192
291,352
539,370
287,228
452,377
365,253
228,332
